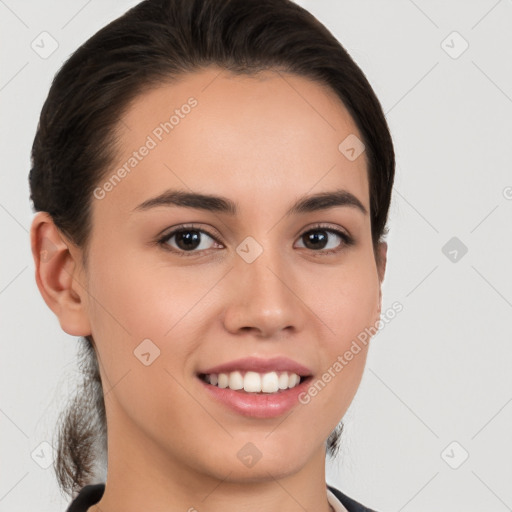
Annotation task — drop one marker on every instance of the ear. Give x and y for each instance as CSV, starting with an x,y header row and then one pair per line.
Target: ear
x,y
59,275
381,260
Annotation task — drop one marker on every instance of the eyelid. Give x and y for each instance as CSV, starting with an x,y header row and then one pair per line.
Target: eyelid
x,y
183,227
329,227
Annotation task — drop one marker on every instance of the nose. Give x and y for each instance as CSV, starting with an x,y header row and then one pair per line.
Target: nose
x,y
265,297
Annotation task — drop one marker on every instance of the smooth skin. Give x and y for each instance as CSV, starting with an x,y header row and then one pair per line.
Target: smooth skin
x,y
262,141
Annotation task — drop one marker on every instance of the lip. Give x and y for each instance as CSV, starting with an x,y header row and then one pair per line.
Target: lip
x,y
257,405
260,365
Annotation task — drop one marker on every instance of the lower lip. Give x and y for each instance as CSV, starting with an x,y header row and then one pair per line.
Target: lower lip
x,y
257,405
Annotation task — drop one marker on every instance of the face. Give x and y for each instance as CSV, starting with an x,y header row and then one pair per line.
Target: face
x,y
178,294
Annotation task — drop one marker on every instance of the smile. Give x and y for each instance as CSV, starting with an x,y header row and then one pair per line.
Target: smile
x,y
253,382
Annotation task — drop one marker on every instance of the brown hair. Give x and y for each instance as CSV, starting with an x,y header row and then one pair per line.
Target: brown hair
x,y
152,43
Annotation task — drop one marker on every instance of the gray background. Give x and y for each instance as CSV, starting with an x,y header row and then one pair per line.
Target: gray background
x,y
438,385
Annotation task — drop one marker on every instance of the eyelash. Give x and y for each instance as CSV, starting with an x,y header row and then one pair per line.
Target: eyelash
x,y
346,239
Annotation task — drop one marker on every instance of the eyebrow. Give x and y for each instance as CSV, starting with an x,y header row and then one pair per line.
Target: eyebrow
x,y
213,203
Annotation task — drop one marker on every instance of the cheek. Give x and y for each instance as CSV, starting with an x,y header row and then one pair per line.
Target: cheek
x,y
347,305
136,299
136,320
347,301
140,308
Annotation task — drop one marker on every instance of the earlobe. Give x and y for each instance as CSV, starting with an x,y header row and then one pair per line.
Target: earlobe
x,y
57,275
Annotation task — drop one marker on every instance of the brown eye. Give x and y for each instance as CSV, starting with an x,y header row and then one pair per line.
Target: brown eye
x,y
315,239
187,240
325,240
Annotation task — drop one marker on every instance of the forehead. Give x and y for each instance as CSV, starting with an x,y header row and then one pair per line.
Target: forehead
x,y
256,138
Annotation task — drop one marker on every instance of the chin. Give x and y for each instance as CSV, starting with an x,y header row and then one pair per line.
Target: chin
x,y
260,460
262,471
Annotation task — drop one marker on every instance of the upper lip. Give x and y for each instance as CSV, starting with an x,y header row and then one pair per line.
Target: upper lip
x,y
260,365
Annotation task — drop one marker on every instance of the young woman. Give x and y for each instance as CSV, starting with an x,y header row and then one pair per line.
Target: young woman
x,y
212,181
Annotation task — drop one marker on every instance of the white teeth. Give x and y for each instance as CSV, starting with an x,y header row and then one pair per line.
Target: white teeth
x,y
270,382
253,382
223,380
236,381
294,380
283,381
